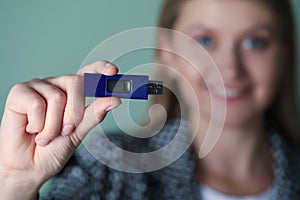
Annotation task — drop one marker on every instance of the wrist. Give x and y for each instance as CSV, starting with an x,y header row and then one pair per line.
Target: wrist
x,y
17,186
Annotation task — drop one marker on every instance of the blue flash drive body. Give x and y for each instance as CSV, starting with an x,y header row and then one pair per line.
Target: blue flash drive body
x,y
123,86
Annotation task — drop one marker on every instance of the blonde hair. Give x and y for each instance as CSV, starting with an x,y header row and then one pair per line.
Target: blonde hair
x,y
283,111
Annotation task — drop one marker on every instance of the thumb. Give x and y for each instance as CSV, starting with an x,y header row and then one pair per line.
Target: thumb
x,y
94,114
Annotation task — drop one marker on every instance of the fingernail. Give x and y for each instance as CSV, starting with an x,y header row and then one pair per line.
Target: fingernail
x,y
110,66
67,129
107,64
43,142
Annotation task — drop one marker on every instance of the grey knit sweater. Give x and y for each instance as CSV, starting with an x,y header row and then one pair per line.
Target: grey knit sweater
x,y
84,177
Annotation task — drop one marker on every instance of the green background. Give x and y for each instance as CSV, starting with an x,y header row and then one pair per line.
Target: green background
x,y
51,38
40,38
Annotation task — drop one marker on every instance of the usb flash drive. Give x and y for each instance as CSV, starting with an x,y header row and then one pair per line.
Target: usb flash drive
x,y
123,86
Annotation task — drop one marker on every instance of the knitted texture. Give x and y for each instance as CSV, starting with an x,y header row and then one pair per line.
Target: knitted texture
x,y
84,177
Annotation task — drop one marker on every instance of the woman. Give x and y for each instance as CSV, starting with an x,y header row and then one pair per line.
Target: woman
x,y
251,45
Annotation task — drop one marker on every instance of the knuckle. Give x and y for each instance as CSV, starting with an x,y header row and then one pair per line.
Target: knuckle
x,y
38,104
35,80
48,79
67,80
72,83
14,94
58,97
18,87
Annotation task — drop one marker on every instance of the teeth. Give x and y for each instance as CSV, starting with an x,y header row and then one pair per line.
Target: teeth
x,y
232,92
227,92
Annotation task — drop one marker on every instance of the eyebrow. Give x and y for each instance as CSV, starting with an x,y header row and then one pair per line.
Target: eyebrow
x,y
196,27
262,27
274,32
259,27
206,28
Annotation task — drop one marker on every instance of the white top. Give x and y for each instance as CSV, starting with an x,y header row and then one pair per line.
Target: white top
x,y
209,193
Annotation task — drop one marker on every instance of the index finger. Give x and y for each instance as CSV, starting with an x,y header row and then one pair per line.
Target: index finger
x,y
102,67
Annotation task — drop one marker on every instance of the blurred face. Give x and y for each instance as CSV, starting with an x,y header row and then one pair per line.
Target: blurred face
x,y
240,36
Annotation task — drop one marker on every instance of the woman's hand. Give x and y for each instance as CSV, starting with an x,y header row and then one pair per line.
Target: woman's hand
x,y
43,122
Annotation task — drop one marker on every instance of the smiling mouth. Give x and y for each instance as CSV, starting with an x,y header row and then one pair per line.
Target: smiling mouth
x,y
229,94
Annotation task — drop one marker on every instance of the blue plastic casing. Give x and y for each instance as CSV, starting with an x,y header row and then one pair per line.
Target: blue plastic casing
x,y
97,85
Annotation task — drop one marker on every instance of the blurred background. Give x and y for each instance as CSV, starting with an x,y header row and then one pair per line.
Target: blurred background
x,y
51,38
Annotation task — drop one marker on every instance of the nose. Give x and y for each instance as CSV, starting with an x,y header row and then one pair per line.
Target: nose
x,y
229,62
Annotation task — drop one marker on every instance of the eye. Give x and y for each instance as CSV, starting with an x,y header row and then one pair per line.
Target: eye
x,y
254,43
205,41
